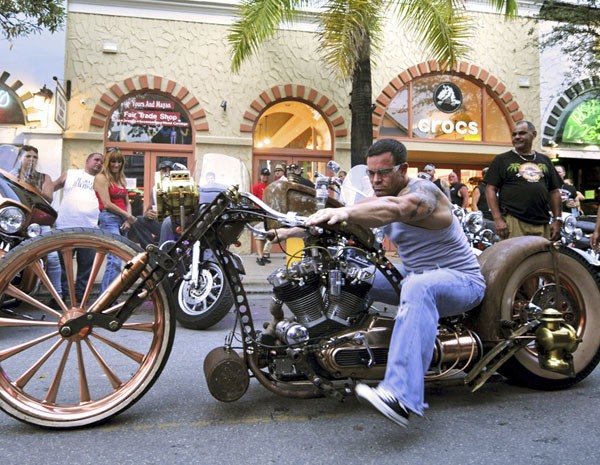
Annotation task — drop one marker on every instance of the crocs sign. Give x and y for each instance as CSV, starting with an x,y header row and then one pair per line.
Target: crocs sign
x,y
447,98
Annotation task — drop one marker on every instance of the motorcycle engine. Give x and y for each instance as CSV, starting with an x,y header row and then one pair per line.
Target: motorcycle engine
x,y
322,299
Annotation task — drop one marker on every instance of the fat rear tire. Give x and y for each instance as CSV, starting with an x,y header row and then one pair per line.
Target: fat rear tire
x,y
579,281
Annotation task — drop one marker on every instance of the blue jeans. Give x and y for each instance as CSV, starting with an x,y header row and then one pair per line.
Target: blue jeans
x,y
111,223
53,266
425,298
85,260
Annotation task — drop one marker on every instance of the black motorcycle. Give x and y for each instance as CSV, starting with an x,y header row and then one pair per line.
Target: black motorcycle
x,y
23,212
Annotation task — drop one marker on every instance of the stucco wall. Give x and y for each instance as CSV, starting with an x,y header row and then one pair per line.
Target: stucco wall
x,y
196,56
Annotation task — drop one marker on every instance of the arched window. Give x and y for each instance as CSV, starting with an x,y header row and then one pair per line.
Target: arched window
x,y
445,107
292,132
149,118
580,126
292,125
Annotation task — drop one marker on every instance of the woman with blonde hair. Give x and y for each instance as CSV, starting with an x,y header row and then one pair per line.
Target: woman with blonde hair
x,y
115,209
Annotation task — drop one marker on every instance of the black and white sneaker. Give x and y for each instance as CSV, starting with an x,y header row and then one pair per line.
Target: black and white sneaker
x,y
384,402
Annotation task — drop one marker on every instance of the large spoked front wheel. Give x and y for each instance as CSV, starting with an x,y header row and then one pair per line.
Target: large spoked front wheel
x,y
534,280
85,378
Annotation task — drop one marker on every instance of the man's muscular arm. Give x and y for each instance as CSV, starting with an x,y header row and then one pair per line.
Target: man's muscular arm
x,y
418,201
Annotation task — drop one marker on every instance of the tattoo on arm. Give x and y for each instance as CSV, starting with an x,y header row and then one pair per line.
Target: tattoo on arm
x,y
427,197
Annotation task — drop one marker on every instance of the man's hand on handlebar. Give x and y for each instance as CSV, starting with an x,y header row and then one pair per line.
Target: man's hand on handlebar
x,y
327,215
283,234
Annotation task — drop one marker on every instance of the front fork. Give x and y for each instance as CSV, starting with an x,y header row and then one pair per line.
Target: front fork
x,y
163,263
195,263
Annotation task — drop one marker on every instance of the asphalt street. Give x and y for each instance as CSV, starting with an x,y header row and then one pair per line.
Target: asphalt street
x,y
178,422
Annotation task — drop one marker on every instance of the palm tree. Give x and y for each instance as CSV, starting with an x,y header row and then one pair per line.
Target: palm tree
x,y
349,33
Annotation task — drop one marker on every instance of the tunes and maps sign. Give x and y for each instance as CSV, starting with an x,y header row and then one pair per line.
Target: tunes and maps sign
x,y
150,118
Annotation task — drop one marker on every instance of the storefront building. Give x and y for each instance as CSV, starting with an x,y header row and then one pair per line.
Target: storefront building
x,y
154,79
571,134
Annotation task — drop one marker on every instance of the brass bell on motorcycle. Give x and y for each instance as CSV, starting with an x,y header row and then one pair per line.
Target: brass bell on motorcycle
x,y
555,341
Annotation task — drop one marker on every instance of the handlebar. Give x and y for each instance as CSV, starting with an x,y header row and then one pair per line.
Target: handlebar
x,y
291,219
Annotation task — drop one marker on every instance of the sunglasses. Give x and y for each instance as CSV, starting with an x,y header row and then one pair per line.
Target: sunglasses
x,y
383,172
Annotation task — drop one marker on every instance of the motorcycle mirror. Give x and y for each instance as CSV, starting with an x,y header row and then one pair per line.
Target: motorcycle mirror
x,y
334,166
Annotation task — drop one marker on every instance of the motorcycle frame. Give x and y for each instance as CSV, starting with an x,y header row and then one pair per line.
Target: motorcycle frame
x,y
484,320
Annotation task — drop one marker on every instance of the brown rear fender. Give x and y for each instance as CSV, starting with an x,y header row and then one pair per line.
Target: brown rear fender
x,y
497,265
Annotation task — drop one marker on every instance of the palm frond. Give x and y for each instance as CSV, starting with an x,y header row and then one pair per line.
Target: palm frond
x,y
346,29
509,7
258,21
441,25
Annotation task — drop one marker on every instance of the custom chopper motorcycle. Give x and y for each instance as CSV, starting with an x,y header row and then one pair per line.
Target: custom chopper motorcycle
x,y
538,324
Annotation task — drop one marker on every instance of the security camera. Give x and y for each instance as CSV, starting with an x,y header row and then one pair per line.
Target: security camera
x,y
82,101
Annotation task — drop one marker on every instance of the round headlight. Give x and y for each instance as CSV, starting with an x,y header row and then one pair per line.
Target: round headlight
x,y
12,219
458,212
379,234
474,222
34,230
570,224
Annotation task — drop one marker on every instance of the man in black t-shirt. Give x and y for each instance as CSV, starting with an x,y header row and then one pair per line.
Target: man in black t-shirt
x,y
522,187
568,193
459,192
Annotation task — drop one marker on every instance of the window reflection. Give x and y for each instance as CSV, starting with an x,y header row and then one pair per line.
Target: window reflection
x,y
292,125
414,105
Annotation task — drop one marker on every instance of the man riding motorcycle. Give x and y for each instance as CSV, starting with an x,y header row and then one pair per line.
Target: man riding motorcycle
x,y
443,274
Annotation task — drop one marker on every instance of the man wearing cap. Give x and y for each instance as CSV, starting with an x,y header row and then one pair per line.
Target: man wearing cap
x,y
442,185
263,247
279,173
258,188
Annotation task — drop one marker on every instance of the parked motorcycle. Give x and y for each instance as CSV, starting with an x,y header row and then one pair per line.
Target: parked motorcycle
x,y
473,224
538,324
575,233
23,211
203,294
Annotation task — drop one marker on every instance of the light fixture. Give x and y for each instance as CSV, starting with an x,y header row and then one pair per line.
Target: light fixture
x,y
110,47
66,89
524,81
42,98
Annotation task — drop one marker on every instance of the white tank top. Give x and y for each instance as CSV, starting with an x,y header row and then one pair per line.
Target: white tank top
x,y
79,206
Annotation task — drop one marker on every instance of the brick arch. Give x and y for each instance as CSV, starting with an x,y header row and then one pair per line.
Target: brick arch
x,y
561,105
118,91
496,87
295,91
